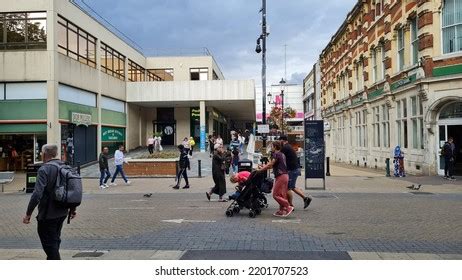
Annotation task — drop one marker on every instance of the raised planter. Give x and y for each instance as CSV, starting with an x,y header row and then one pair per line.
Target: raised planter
x,y
151,167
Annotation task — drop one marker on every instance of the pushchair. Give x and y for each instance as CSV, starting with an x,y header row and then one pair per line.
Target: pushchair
x,y
252,195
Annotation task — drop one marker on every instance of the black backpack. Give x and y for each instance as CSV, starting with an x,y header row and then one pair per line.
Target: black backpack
x,y
68,189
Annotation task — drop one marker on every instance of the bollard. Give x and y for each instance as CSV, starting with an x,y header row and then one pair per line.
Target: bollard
x,y
78,167
328,166
387,167
199,168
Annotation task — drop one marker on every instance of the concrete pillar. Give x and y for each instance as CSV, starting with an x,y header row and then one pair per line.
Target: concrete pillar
x,y
53,125
99,132
202,126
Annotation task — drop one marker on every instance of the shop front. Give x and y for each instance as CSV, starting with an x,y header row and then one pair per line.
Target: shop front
x,y
450,125
78,140
112,137
195,123
20,145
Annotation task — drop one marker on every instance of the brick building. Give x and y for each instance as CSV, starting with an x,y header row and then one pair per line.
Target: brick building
x,y
392,75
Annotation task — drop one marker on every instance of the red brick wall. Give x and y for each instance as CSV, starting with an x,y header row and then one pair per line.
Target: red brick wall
x,y
150,168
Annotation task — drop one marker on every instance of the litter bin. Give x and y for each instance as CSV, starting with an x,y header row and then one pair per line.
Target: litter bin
x,y
244,165
31,176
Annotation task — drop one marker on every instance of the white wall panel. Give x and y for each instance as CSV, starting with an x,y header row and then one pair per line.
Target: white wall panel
x,y
78,96
16,91
112,104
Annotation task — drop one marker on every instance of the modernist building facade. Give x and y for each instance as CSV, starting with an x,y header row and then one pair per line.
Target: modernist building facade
x,y
65,77
392,76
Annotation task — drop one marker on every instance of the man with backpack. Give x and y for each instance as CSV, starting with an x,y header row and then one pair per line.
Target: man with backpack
x,y
55,198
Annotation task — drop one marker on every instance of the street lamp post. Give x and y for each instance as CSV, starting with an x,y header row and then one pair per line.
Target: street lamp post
x,y
262,49
282,84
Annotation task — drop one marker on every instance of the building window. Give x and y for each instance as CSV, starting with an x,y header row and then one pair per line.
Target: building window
x,y
215,76
341,131
452,26
135,72
76,43
112,62
400,49
199,74
20,31
359,76
385,126
384,59
160,74
364,128
417,123
361,128
414,42
401,121
374,65
376,126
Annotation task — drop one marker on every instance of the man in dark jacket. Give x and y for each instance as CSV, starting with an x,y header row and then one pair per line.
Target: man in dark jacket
x,y
50,216
293,169
104,168
449,159
184,164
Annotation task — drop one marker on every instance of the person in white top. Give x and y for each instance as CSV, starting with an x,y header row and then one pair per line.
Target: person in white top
x,y
119,160
241,140
150,144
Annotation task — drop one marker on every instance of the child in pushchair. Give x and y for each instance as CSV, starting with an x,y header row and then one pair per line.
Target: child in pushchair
x,y
249,193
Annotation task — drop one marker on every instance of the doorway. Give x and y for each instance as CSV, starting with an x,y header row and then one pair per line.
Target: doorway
x,y
450,125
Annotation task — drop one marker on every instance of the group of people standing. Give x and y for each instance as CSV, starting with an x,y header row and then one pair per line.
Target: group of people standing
x,y
154,144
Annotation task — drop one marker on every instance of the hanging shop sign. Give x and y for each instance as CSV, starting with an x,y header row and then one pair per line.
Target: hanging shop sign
x,y
80,119
112,134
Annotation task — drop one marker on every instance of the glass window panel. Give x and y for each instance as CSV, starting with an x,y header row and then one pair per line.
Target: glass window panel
x,y
414,106
72,43
405,134
203,76
404,108
449,39
415,134
16,31
83,47
458,45
92,52
109,61
1,31
62,36
421,133
37,15
448,12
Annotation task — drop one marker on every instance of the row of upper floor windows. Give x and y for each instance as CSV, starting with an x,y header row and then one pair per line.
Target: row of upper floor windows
x,y
22,31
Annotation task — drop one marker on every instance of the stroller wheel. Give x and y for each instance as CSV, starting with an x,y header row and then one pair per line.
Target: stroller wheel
x,y
236,209
258,211
252,214
229,213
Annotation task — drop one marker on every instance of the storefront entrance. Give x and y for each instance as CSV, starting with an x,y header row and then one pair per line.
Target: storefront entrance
x,y
168,130
78,143
19,150
450,125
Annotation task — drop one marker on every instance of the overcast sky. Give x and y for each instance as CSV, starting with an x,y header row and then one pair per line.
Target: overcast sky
x,y
229,29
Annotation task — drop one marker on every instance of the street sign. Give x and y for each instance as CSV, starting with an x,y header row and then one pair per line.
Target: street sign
x,y
314,149
263,128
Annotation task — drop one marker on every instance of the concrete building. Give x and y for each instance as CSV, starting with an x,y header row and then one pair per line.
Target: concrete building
x,y
65,78
392,75
312,93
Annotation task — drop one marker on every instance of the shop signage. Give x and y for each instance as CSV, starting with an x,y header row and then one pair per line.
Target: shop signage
x,y
80,119
202,136
112,134
403,82
195,113
375,94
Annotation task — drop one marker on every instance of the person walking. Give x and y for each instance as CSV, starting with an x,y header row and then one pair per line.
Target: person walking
x,y
241,140
184,164
219,141
449,158
235,160
150,144
119,160
293,170
218,174
192,143
281,179
50,216
104,168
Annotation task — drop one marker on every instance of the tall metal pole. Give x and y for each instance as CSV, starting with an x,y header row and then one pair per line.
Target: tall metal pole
x,y
263,70
282,115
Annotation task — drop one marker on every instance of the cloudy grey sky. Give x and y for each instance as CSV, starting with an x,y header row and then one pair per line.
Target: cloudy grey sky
x,y
229,29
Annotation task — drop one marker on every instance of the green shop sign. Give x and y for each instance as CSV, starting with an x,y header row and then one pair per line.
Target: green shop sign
x,y
396,85
112,134
375,94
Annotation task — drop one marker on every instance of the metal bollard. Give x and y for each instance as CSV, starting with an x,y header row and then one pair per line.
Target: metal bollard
x,y
387,167
199,168
78,167
328,166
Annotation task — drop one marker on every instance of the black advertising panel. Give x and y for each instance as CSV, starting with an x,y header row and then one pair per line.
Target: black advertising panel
x,y
314,149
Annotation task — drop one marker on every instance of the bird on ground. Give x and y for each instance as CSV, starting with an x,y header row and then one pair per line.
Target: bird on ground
x,y
417,187
147,195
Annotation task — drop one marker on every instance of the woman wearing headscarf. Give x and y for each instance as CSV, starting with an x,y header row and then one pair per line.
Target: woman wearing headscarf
x,y
218,174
